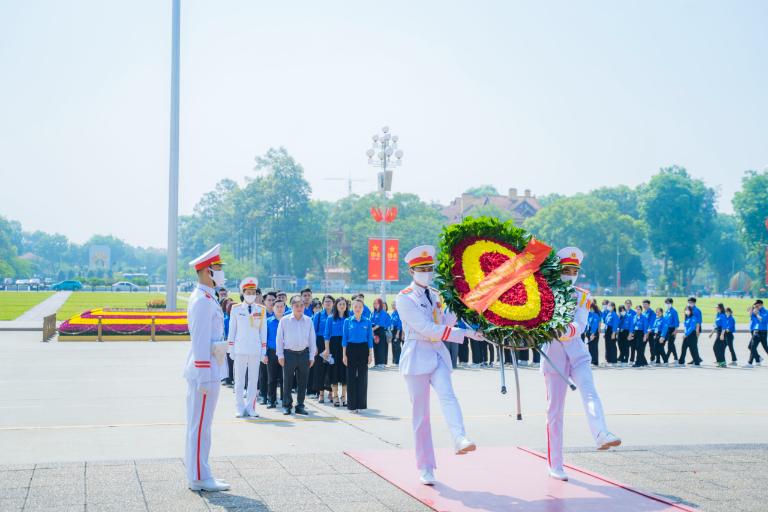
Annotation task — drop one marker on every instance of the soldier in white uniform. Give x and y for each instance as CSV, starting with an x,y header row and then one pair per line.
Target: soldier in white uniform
x,y
425,361
248,344
572,357
206,366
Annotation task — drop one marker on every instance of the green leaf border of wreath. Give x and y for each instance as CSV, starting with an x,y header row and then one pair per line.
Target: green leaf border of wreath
x,y
512,336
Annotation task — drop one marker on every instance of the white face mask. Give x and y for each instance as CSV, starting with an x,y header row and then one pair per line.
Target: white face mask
x,y
568,278
423,278
250,299
667,306
218,277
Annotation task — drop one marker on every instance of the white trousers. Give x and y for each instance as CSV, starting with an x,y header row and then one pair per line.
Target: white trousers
x,y
250,363
418,388
556,393
200,409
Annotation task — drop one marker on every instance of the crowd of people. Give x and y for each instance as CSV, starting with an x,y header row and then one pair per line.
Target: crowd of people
x,y
628,330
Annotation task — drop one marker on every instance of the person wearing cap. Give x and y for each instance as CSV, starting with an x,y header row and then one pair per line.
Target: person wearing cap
x,y
248,336
425,361
204,369
572,358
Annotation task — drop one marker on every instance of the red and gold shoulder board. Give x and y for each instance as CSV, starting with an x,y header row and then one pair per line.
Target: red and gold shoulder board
x,y
406,291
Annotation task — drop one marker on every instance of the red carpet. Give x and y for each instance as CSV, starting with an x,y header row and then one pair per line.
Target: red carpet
x,y
507,479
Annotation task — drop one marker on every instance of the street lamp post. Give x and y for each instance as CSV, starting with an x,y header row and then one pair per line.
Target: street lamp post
x,y
381,155
173,165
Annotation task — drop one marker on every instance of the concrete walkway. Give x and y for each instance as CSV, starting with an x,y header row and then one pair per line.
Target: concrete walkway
x,y
32,319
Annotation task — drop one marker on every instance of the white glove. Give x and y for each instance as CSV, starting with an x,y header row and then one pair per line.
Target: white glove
x,y
449,318
219,351
475,335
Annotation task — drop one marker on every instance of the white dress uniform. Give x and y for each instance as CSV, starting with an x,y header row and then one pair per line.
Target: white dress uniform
x,y
571,355
425,360
203,373
248,344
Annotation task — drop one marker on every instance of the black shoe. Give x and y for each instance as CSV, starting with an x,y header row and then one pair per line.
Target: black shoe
x,y
263,401
287,411
272,405
301,410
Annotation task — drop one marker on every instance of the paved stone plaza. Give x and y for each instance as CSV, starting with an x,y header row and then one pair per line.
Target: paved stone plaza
x,y
100,425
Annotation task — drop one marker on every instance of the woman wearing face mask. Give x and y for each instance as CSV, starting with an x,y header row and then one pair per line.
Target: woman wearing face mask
x,y
334,331
730,328
593,333
719,327
611,334
638,338
625,328
690,342
658,332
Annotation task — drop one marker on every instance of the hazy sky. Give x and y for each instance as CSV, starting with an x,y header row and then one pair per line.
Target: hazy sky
x,y
552,96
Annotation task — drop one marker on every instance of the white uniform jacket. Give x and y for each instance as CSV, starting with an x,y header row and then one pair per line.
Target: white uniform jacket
x,y
425,327
570,348
206,326
248,331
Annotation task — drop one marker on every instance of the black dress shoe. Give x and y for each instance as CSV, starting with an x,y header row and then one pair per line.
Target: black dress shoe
x,y
271,405
263,401
301,410
287,411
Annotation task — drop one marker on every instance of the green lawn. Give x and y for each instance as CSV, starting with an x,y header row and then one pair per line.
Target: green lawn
x,y
705,304
13,304
81,301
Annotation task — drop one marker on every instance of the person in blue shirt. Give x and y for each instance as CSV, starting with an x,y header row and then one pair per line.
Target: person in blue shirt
x,y
357,345
672,323
611,334
638,338
658,335
321,367
691,338
274,370
306,302
759,329
593,333
730,329
366,311
397,335
281,295
334,331
380,321
696,315
650,318
719,328
226,307
626,323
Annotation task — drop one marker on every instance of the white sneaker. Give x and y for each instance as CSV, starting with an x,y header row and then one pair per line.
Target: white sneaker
x,y
734,363
606,440
558,474
240,414
758,363
748,365
427,477
464,445
252,414
209,484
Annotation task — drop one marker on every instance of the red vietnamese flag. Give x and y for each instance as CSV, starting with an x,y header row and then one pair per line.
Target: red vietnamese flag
x,y
393,260
374,259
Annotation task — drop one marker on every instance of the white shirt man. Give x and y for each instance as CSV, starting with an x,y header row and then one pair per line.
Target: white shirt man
x,y
296,350
248,339
425,361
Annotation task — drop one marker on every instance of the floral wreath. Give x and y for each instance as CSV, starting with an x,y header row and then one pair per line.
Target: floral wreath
x,y
498,278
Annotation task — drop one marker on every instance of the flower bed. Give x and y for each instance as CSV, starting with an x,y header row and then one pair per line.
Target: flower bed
x,y
117,324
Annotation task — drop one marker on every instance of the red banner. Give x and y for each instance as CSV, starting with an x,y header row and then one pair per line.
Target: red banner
x,y
374,259
393,260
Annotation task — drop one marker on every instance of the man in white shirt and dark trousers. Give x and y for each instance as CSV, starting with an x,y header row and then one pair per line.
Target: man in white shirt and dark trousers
x,y
296,351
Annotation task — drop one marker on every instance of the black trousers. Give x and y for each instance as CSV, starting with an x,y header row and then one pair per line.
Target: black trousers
x,y
464,351
397,345
263,381
690,342
758,338
729,343
274,376
610,346
657,349
623,346
231,367
297,362
718,347
380,349
639,344
592,344
319,371
671,349
338,372
357,376
479,352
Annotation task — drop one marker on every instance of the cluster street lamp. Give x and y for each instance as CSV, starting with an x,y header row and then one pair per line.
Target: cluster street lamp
x,y
385,155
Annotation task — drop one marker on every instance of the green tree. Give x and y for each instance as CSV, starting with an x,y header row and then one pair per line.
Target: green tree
x,y
726,253
482,191
679,213
751,207
626,198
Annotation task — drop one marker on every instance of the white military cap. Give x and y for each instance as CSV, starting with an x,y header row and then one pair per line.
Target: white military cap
x,y
571,256
249,283
211,257
421,255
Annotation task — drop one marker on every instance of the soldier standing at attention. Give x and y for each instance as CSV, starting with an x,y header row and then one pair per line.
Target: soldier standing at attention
x,y
425,361
205,367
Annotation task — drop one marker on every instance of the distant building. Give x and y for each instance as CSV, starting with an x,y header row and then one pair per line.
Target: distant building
x,y
520,207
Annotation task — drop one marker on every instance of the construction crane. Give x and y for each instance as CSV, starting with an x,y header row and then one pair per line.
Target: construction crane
x,y
349,181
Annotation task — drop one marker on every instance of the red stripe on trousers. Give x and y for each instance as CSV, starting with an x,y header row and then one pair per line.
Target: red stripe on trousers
x,y
199,433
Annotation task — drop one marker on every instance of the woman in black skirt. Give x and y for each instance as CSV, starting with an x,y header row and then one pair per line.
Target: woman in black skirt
x,y
334,330
321,367
357,344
